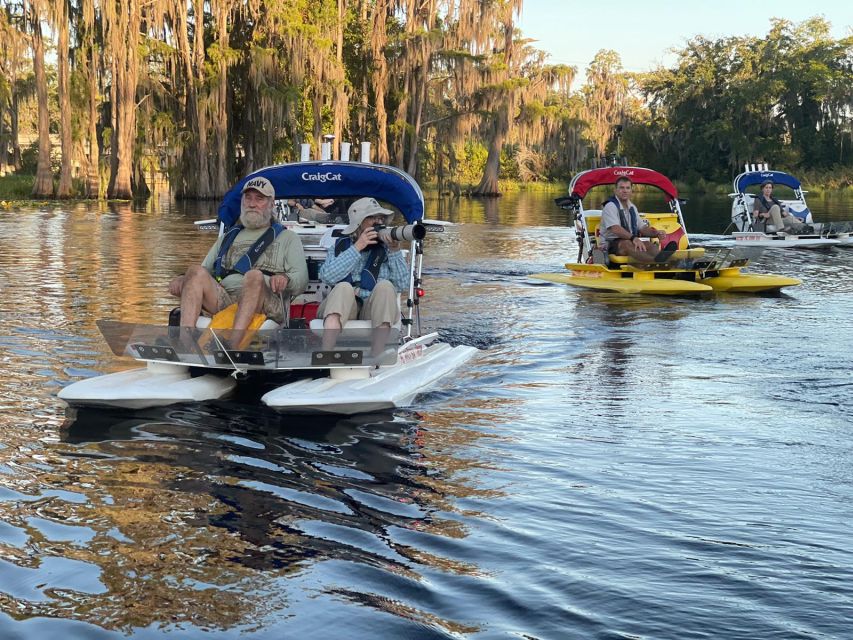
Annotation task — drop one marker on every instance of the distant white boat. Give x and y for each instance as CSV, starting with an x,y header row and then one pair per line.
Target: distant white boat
x,y
751,233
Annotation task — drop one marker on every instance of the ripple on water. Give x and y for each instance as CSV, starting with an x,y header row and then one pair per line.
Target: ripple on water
x,y
607,467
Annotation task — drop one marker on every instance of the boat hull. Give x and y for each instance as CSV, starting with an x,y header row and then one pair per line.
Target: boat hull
x,y
157,385
346,391
650,282
734,281
599,277
768,241
380,389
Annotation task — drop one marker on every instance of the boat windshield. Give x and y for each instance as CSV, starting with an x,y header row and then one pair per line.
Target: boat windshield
x,y
275,349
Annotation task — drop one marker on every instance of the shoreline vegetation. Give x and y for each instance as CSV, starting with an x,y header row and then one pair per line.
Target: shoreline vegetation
x,y
17,189
100,102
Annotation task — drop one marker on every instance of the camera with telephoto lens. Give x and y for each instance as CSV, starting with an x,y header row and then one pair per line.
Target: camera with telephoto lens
x,y
405,233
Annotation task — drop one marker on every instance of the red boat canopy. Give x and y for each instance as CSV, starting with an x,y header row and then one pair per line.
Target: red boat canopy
x,y
585,181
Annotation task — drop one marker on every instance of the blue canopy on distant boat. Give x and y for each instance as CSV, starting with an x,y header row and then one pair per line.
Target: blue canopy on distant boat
x,y
750,178
333,179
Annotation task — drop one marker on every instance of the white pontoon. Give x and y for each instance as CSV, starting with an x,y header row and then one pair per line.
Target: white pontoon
x,y
362,370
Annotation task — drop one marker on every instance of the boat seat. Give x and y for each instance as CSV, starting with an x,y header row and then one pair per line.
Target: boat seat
x,y
667,222
204,321
681,254
317,324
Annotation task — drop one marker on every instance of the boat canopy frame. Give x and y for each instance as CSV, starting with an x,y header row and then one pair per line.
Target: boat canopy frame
x,y
742,212
346,179
333,179
584,181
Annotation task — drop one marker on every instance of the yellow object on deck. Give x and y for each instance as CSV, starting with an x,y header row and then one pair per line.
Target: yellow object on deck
x,y
224,319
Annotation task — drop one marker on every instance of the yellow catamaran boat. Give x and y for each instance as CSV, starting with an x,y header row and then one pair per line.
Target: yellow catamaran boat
x,y
688,271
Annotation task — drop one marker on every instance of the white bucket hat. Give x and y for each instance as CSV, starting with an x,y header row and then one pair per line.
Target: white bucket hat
x,y
361,209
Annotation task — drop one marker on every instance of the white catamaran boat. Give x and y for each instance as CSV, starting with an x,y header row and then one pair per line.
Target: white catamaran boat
x,y
362,370
752,233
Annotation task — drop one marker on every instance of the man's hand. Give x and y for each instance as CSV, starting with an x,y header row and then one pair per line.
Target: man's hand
x,y
278,282
176,286
367,238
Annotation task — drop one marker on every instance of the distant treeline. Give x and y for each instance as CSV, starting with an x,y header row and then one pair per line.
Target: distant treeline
x,y
451,91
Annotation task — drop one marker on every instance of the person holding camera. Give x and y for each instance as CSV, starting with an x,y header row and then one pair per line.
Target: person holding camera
x,y
367,272
766,209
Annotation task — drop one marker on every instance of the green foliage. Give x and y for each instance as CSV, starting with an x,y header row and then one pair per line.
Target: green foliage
x,y
783,99
17,186
468,162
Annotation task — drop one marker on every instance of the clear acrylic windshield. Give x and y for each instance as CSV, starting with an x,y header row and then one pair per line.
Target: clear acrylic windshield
x,y
266,350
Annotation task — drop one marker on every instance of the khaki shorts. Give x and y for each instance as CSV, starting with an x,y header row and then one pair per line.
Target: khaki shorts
x,y
273,308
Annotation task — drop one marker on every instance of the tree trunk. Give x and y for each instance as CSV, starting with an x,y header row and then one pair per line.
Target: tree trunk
x,y
64,97
125,80
380,79
93,176
339,52
489,182
203,188
188,176
220,187
418,109
14,132
317,107
43,186
4,142
113,125
400,121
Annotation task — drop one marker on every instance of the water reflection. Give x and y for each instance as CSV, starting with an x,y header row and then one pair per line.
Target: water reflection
x,y
195,514
596,430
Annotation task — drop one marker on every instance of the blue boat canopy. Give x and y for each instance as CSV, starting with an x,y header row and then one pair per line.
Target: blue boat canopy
x,y
333,179
750,178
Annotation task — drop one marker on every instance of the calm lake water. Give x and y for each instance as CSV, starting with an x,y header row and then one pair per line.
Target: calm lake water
x,y
610,467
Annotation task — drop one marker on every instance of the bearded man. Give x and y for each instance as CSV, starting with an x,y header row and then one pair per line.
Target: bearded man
x,y
255,264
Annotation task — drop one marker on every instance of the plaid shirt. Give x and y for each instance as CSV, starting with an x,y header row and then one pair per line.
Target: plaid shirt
x,y
352,262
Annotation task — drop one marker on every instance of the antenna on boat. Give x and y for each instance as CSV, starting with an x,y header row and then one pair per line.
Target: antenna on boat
x,y
365,152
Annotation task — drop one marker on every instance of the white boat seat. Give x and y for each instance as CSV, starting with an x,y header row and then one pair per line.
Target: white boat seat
x,y
317,324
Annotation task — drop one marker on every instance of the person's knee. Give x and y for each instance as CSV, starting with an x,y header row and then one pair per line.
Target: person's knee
x,y
343,289
197,272
385,287
254,279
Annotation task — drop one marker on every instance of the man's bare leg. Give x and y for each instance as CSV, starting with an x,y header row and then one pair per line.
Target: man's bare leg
x,y
199,292
380,339
331,330
648,254
252,295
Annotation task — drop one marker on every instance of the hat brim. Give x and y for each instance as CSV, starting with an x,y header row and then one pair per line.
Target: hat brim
x,y
352,227
266,195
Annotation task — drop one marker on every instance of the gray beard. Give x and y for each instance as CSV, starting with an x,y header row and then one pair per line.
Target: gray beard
x,y
254,219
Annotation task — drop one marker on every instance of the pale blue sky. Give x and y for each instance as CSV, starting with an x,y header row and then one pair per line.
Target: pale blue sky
x,y
572,31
